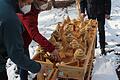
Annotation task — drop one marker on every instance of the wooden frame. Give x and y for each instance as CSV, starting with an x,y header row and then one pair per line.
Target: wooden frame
x,y
70,70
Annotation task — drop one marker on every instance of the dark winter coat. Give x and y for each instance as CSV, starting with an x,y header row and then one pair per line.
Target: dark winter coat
x,y
11,41
107,7
94,8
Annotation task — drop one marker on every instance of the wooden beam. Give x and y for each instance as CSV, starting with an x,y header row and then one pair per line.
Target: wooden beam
x,y
72,72
78,7
53,75
47,65
89,53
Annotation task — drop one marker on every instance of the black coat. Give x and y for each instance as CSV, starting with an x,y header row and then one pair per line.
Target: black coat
x,y
107,7
11,42
94,8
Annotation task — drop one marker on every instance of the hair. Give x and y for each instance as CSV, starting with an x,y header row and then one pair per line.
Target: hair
x,y
23,0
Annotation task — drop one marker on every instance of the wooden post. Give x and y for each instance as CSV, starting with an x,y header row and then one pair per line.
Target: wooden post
x,y
40,76
78,7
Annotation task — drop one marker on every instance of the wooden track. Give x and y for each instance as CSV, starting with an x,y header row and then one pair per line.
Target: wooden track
x,y
75,42
75,69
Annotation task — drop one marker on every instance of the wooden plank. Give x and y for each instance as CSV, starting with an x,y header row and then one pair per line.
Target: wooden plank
x,y
55,75
89,68
73,72
91,62
89,51
78,8
50,74
40,76
72,63
46,64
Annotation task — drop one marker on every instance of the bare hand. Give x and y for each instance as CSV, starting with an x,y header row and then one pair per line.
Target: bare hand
x,y
55,56
83,15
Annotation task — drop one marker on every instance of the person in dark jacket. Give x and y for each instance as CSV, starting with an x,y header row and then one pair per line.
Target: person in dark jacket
x,y
11,41
107,9
96,10
30,22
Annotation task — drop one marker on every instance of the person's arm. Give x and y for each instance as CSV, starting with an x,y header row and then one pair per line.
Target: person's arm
x,y
30,22
35,35
12,37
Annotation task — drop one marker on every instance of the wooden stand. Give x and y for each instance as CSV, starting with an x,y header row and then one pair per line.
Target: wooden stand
x,y
78,69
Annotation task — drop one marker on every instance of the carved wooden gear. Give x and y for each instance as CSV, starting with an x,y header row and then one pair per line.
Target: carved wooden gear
x,y
79,54
76,49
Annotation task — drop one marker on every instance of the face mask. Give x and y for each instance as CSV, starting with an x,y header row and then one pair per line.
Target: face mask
x,y
25,9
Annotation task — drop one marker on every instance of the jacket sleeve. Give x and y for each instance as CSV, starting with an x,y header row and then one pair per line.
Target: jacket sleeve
x,y
30,23
12,37
93,7
83,5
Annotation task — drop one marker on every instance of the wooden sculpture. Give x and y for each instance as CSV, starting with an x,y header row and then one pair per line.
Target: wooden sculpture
x,y
74,40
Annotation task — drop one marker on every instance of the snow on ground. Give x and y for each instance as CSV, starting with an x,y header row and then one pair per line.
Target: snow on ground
x,y
104,66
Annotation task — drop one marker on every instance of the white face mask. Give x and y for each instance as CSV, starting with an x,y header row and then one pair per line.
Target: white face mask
x,y
25,9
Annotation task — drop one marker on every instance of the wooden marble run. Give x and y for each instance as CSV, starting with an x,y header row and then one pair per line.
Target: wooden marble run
x,y
75,41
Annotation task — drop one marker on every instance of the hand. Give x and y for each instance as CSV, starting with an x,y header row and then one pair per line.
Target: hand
x,y
83,15
55,56
107,16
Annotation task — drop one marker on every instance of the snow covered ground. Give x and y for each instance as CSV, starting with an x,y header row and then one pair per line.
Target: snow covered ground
x,y
104,66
